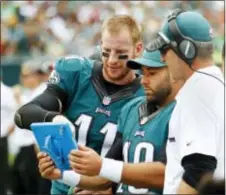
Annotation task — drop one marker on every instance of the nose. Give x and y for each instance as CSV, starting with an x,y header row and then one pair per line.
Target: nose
x,y
112,59
144,80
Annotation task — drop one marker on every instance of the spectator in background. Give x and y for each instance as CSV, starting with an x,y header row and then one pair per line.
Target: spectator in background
x,y
73,27
30,43
8,108
33,77
26,178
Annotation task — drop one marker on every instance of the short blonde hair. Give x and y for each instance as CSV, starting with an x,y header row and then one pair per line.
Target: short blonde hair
x,y
117,22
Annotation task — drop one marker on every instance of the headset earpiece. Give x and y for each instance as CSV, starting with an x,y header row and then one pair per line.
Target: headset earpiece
x,y
188,49
182,45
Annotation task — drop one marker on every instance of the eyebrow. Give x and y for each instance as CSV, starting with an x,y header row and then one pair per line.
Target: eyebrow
x,y
117,50
106,49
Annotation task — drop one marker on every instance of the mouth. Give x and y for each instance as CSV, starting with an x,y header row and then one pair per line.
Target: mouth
x,y
114,68
148,91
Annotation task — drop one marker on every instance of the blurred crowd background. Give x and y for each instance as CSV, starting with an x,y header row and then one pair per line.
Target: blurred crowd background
x,y
56,28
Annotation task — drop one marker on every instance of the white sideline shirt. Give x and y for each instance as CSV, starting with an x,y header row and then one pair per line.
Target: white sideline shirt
x,y
196,125
22,137
8,108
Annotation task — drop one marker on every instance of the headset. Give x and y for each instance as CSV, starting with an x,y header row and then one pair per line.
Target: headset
x,y
183,46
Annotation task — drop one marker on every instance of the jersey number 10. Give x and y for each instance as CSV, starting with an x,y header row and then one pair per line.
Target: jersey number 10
x,y
148,150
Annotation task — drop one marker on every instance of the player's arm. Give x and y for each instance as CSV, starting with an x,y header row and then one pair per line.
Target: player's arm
x,y
96,182
54,100
73,179
146,174
93,183
43,108
86,161
143,175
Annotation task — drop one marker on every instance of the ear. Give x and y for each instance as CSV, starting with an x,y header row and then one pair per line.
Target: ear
x,y
138,49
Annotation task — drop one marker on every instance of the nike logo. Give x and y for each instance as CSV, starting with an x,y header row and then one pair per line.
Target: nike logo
x,y
171,139
189,143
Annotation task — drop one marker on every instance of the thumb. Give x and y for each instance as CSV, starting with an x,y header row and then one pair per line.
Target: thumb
x,y
83,148
61,118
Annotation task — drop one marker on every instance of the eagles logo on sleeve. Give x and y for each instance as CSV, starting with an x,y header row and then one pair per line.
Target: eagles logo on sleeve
x,y
54,77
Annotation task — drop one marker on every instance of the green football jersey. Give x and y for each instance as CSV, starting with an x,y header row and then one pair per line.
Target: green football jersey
x,y
144,136
93,111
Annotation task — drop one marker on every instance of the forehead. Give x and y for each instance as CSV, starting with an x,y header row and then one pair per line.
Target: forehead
x,y
121,39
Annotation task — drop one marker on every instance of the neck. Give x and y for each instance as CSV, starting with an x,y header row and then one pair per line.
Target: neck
x,y
197,64
129,78
171,97
34,86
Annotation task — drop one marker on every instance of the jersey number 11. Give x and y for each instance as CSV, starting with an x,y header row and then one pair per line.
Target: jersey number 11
x,y
109,130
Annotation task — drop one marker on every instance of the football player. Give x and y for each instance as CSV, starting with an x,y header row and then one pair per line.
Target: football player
x,y
137,157
89,93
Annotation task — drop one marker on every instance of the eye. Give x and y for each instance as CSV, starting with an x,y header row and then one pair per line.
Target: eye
x,y
152,73
105,54
123,57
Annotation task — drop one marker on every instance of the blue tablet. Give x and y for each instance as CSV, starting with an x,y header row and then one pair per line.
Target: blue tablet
x,y
56,140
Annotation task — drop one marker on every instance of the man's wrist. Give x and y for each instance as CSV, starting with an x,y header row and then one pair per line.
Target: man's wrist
x,y
70,178
111,169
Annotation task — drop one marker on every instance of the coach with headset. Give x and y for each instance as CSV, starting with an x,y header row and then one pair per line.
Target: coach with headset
x,y
196,130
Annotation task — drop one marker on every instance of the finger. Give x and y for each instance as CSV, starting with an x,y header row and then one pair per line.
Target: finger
x,y
83,148
73,151
78,153
77,166
44,166
45,160
75,159
47,171
73,165
41,155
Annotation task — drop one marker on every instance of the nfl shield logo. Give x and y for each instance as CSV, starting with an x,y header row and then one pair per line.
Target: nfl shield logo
x,y
106,101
